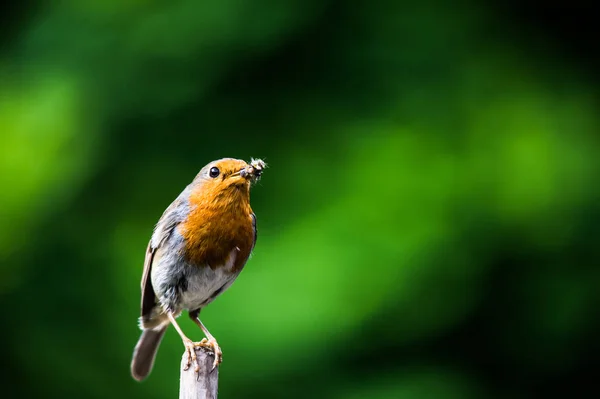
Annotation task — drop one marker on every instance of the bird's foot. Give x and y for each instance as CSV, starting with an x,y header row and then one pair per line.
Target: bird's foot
x,y
190,348
214,347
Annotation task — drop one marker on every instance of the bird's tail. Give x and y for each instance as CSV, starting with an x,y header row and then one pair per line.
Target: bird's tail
x,y
145,352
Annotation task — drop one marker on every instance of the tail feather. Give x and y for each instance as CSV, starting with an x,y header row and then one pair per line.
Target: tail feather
x,y
145,352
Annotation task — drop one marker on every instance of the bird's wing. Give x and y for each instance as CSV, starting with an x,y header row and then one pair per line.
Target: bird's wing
x,y
148,296
172,216
254,228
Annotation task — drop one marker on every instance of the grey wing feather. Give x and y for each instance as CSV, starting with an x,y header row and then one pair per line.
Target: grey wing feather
x,y
148,296
254,228
173,215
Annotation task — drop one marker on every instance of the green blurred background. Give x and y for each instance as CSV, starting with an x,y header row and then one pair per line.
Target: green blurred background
x,y
428,226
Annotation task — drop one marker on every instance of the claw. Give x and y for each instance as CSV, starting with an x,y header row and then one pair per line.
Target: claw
x,y
190,348
215,348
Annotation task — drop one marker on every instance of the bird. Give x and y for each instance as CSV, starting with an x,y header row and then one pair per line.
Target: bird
x,y
198,248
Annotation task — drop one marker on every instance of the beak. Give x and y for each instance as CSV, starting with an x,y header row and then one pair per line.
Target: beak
x,y
244,173
252,171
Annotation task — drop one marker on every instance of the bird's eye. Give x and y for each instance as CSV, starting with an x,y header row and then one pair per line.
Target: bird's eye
x,y
214,172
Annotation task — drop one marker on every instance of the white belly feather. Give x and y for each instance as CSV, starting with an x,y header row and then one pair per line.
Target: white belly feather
x,y
204,282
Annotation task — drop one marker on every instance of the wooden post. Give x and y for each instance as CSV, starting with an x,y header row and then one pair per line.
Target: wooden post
x,y
201,385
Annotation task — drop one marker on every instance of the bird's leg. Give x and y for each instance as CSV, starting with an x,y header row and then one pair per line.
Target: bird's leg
x,y
210,341
190,347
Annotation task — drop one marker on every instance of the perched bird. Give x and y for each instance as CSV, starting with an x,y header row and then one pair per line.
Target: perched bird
x,y
198,248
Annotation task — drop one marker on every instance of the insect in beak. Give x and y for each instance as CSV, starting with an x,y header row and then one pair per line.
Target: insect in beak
x,y
252,171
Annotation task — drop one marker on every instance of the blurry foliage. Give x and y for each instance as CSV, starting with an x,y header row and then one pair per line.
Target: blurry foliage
x,y
427,228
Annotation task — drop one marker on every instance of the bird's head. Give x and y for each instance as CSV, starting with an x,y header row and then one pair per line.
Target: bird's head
x,y
228,177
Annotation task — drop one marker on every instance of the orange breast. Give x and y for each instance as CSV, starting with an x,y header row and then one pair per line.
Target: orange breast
x,y
216,225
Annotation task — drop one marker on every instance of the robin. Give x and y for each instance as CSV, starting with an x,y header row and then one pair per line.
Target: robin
x,y
198,248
